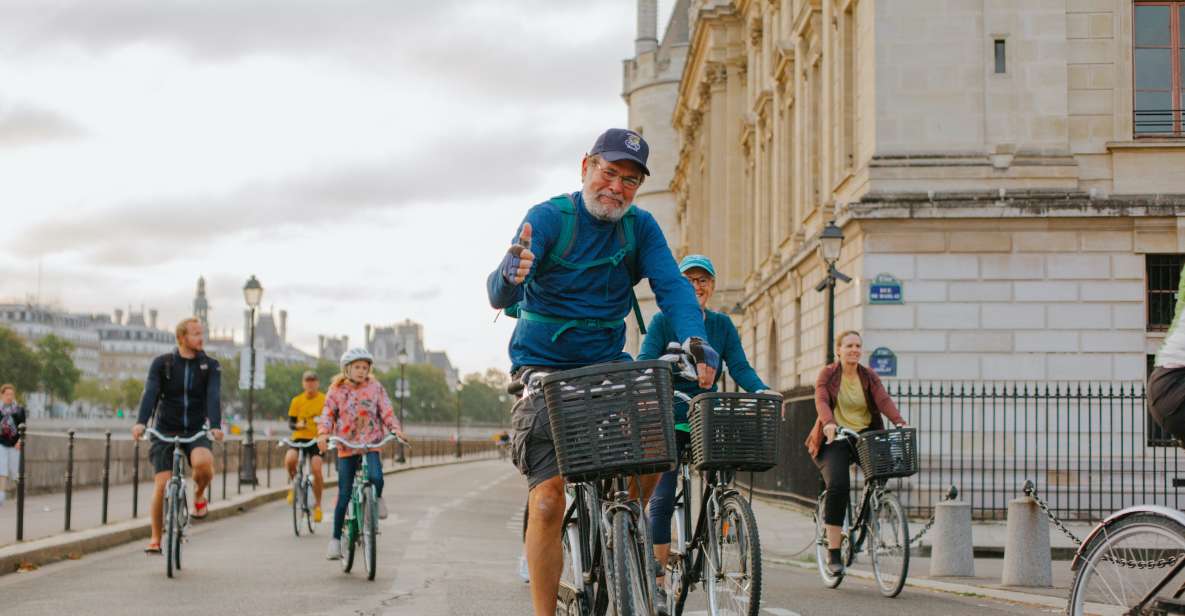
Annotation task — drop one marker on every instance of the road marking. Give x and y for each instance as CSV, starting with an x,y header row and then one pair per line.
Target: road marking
x,y
777,611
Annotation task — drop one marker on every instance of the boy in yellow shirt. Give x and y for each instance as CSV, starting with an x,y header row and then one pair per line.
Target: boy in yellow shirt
x,y
302,416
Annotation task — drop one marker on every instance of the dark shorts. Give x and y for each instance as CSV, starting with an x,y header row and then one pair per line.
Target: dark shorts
x,y
313,450
161,453
1166,399
531,447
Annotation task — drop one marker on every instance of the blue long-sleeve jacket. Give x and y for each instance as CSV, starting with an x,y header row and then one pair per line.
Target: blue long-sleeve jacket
x,y
723,337
601,293
183,397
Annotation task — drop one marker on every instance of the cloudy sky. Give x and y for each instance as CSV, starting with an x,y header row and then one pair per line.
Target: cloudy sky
x,y
368,160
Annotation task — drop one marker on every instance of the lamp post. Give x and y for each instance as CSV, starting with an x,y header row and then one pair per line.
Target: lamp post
x,y
252,293
830,243
458,420
402,390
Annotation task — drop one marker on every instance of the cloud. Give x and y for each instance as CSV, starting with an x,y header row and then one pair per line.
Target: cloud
x,y
24,124
458,169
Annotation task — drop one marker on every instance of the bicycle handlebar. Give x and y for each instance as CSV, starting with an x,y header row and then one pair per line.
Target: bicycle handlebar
x,y
304,445
386,439
175,439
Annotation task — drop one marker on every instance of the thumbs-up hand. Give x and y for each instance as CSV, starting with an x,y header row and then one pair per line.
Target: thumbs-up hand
x,y
519,258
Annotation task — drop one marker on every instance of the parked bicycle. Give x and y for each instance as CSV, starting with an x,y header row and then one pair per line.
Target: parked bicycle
x,y
610,423
362,512
176,507
730,432
1131,563
302,487
880,519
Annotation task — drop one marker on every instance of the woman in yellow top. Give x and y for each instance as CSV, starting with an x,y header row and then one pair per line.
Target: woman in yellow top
x,y
847,395
302,416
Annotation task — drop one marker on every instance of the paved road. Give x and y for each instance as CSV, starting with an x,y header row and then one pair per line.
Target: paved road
x,y
449,548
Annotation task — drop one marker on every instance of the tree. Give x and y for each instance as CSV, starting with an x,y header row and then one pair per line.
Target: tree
x,y
19,365
484,398
58,374
93,391
127,395
429,399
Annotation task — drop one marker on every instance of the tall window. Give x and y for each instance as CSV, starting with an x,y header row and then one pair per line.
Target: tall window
x,y
1164,278
1158,59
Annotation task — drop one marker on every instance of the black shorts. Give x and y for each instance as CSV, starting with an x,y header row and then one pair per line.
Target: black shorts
x,y
161,453
531,447
1166,399
316,451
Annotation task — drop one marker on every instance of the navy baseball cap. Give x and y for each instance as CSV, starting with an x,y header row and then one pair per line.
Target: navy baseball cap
x,y
620,144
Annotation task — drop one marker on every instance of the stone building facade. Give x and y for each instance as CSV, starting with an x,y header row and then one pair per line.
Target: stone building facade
x,y
1001,160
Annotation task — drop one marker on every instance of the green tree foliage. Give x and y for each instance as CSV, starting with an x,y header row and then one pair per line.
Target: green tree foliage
x,y
18,363
283,382
119,395
484,398
429,399
127,395
229,392
58,374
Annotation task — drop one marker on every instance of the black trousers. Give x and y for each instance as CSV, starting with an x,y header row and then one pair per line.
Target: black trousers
x,y
834,461
1166,399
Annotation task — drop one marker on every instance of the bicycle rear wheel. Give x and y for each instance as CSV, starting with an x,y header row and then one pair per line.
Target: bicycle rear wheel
x,y
172,531
370,530
309,497
822,554
1122,564
297,504
627,575
889,546
734,569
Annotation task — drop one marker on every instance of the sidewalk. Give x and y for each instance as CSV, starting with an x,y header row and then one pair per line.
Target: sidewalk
x,y
787,537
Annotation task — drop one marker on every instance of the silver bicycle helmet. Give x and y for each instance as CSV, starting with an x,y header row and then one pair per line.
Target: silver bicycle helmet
x,y
355,354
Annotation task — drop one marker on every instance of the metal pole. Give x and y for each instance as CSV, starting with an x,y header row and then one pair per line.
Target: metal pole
x,y
269,463
20,484
106,474
69,475
247,457
135,478
402,389
225,463
458,423
830,314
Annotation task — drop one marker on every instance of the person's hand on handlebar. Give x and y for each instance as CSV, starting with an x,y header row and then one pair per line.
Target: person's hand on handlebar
x,y
706,360
138,431
217,434
322,443
829,432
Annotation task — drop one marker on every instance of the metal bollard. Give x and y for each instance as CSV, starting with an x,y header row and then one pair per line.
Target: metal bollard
x,y
69,475
269,463
20,484
1027,557
106,474
135,478
952,552
225,457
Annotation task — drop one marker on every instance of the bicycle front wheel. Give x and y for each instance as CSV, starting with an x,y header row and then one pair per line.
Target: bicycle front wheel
x,y
172,531
822,554
890,546
627,577
309,497
734,565
370,530
1122,564
350,536
297,505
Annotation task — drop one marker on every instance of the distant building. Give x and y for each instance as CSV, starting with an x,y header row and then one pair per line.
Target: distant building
x,y
331,348
440,360
126,350
385,343
201,307
32,323
271,338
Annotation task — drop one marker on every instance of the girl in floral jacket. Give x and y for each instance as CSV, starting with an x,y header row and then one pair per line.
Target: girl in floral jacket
x,y
358,410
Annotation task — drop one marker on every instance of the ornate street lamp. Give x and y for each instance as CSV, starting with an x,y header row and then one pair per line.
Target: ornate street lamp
x,y
252,293
830,243
402,390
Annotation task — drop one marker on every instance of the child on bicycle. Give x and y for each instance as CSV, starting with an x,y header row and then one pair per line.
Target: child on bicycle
x,y
849,395
358,410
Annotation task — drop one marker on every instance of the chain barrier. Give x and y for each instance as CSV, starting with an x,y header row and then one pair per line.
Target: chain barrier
x,y
1030,490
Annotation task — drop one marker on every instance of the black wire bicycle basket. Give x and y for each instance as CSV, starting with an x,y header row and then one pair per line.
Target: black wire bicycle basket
x,y
734,431
885,454
612,419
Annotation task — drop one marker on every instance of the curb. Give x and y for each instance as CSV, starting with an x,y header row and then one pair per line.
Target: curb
x,y
947,587
75,545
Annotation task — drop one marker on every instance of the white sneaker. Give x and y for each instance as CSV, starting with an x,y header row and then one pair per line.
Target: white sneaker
x,y
382,509
335,549
523,572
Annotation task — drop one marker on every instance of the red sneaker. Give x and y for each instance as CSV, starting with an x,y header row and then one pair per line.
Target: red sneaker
x,y
200,509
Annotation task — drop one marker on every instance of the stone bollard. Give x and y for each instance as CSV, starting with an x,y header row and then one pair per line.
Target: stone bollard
x,y
952,552
1026,548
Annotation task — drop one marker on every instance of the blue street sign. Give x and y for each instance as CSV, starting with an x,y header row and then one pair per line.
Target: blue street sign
x,y
883,362
885,289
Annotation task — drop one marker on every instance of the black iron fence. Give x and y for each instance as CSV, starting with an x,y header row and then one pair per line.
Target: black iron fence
x,y
1089,447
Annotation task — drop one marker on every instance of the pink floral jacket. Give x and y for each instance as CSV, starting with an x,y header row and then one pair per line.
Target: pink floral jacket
x,y
357,414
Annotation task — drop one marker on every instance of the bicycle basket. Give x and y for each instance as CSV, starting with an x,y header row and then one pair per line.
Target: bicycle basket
x,y
612,419
885,454
734,431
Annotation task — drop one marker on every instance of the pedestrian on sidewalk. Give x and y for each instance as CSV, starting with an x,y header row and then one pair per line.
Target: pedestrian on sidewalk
x,y
848,395
12,415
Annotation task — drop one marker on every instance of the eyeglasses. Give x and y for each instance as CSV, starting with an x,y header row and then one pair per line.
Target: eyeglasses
x,y
629,181
700,282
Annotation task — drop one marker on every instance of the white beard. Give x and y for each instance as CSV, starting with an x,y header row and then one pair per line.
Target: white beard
x,y
600,211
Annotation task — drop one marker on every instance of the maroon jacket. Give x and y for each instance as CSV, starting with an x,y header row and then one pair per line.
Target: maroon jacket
x,y
826,392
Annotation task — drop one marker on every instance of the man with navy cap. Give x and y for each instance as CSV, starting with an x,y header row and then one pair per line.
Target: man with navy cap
x,y
569,280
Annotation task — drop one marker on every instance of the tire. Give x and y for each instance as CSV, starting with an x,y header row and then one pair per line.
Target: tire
x,y
172,537
735,588
297,505
350,538
821,552
308,510
888,546
626,576
1103,580
370,530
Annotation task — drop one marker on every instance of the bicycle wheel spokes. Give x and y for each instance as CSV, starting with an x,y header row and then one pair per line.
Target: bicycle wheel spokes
x,y
738,586
296,505
889,546
822,555
370,525
1125,562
